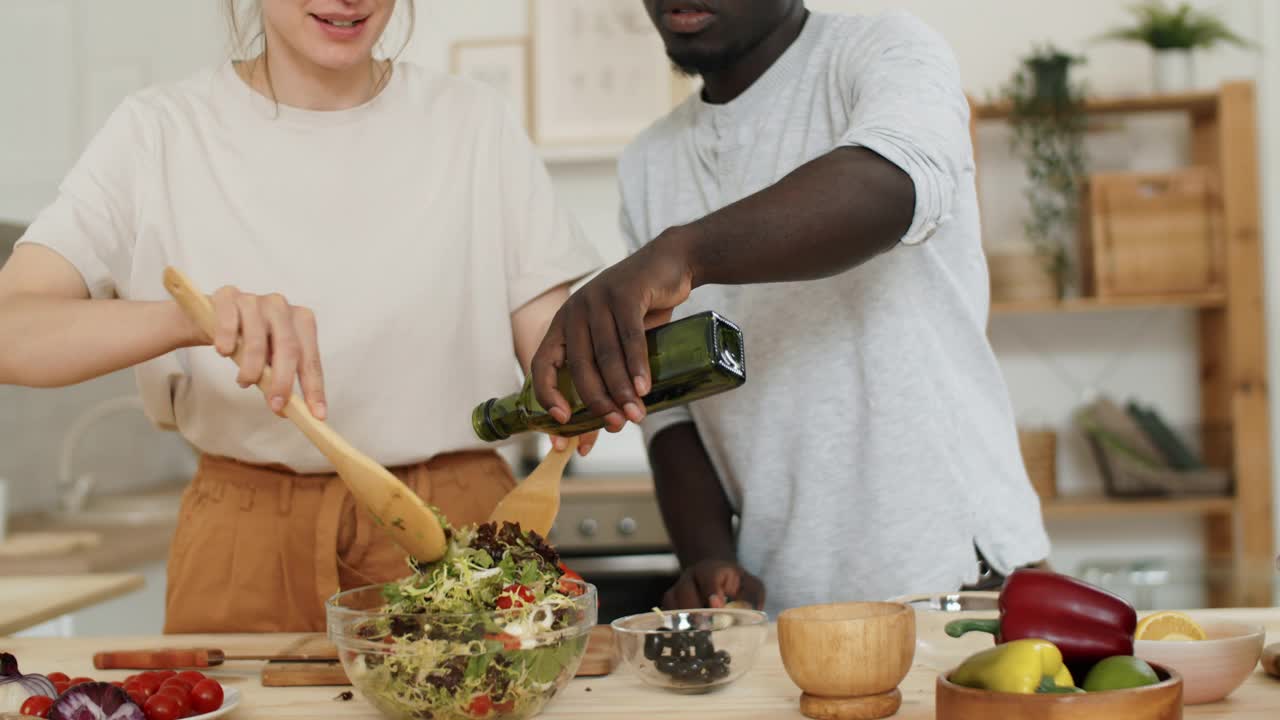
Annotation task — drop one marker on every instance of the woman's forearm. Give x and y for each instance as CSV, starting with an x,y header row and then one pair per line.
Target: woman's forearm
x,y
53,341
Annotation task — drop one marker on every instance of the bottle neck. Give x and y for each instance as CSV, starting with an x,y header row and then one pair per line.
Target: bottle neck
x,y
499,419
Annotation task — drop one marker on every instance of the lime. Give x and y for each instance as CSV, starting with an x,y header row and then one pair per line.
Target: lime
x,y
1120,672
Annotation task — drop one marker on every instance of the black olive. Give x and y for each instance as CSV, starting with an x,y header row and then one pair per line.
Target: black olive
x,y
719,672
721,657
652,647
667,665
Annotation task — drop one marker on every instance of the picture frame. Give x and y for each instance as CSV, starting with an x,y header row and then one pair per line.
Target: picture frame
x,y
600,73
500,63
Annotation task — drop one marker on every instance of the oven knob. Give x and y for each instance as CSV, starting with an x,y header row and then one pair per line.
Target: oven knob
x,y
588,527
627,527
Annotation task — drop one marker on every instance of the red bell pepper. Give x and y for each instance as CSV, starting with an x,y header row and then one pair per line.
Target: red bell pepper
x,y
1086,623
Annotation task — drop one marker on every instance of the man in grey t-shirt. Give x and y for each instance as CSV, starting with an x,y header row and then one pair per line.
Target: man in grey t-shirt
x,y
819,192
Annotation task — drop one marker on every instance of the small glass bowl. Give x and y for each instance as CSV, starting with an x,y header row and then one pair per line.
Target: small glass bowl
x,y
403,680
691,651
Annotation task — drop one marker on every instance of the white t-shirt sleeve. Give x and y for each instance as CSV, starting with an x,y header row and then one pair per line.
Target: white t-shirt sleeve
x,y
545,246
907,105
93,220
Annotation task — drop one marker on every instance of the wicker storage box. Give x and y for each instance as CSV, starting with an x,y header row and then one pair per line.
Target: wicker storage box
x,y
1040,455
1151,234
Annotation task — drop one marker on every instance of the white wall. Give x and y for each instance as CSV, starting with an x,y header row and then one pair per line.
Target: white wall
x,y
64,63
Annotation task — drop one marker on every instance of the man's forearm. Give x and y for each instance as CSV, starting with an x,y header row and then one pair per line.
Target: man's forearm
x,y
695,509
830,214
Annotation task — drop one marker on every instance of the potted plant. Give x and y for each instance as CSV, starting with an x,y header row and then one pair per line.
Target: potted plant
x,y
1048,122
1174,33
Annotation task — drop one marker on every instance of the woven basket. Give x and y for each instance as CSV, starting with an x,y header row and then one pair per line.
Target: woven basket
x,y
1040,455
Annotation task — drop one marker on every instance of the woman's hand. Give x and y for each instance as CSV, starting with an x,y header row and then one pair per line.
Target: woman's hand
x,y
585,442
276,334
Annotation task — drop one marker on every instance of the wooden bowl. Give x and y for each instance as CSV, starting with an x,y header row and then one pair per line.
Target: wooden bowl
x,y
1162,701
1211,669
848,658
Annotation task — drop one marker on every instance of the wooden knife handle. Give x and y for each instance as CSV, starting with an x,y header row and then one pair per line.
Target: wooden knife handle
x,y
157,659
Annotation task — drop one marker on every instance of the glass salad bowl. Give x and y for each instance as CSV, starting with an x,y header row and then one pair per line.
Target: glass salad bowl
x,y
455,666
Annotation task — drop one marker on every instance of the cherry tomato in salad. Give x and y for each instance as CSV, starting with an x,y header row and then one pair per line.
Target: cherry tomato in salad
x,y
509,642
161,707
480,706
505,707
36,706
206,696
569,581
515,596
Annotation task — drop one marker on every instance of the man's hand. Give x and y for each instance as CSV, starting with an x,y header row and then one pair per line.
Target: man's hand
x,y
713,584
599,333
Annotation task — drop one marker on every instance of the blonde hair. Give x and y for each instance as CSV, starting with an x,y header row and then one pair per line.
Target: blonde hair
x,y
249,39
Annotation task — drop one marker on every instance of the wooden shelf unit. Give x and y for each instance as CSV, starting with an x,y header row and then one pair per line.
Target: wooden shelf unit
x,y
1233,357
1095,304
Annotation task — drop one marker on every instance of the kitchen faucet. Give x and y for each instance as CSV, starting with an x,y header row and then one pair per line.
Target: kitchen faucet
x,y
73,492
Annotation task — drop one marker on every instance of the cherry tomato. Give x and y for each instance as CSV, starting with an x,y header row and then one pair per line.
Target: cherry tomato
x,y
79,680
164,674
177,681
135,693
515,596
118,684
36,706
147,685
509,642
162,707
181,696
131,678
206,696
57,677
567,583
505,707
190,677
480,706
61,687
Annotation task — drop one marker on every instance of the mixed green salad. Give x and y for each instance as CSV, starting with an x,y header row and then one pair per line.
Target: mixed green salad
x,y
495,626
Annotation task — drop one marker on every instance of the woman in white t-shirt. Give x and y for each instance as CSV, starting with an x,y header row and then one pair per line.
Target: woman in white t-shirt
x,y
403,213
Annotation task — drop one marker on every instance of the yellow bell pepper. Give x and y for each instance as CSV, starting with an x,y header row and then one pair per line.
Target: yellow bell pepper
x,y
1022,666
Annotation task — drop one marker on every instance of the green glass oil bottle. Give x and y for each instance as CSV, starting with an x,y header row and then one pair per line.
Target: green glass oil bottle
x,y
689,359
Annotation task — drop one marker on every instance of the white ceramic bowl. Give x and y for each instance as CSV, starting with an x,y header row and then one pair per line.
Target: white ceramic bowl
x,y
1211,669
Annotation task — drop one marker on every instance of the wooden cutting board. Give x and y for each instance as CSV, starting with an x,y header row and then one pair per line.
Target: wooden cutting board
x,y
599,660
44,544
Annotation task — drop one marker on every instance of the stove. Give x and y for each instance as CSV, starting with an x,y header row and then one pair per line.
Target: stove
x,y
610,531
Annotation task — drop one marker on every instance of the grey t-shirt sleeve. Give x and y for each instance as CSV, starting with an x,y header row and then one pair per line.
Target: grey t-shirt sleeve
x,y
906,104
633,238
